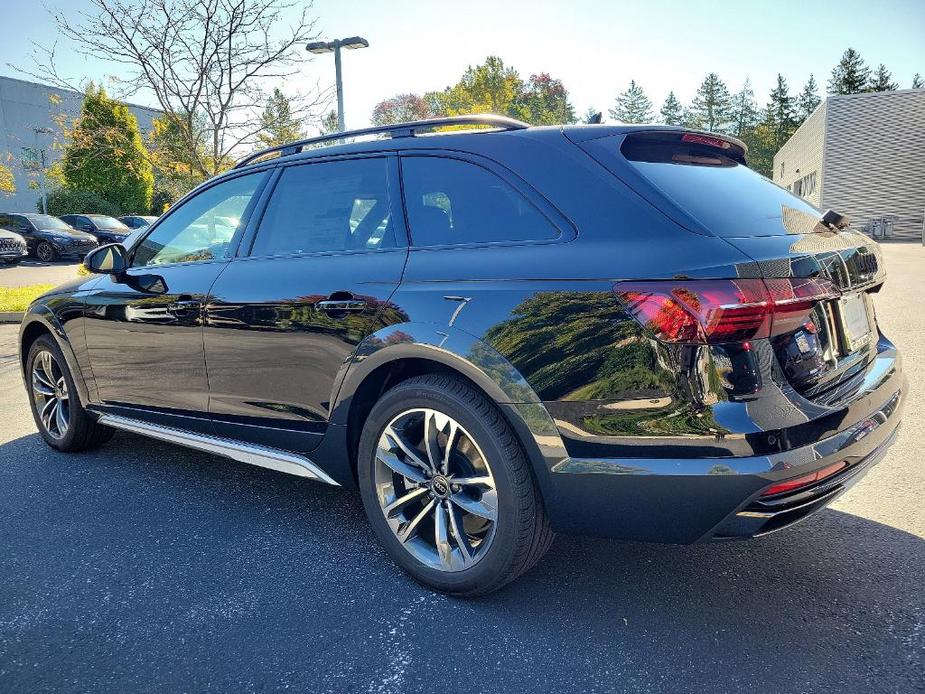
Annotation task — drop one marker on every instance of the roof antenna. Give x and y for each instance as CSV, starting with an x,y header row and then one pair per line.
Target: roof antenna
x,y
596,118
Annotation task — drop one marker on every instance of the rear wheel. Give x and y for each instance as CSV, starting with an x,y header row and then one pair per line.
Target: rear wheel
x,y
45,252
61,419
448,489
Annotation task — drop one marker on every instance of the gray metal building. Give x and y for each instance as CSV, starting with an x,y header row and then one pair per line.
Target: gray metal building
x,y
26,110
862,155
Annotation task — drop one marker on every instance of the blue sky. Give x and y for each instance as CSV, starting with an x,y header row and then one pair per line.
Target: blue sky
x,y
595,48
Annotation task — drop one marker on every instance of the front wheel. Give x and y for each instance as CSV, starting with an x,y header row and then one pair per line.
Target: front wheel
x,y
448,489
45,252
61,419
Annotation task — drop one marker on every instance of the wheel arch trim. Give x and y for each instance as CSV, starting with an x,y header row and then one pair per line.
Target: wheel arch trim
x,y
40,319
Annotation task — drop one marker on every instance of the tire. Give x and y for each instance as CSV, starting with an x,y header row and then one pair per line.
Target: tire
x,y
82,432
479,555
45,252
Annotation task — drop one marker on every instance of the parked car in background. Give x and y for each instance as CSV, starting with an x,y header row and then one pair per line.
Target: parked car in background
x,y
613,330
137,221
48,238
106,229
13,247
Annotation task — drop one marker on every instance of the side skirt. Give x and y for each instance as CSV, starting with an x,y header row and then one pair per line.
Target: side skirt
x,y
261,456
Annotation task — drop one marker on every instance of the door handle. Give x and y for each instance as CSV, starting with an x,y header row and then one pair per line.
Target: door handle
x,y
342,305
184,307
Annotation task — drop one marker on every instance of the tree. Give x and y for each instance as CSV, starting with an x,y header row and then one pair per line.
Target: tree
x,y
780,114
66,200
329,124
7,182
710,108
175,164
494,87
400,108
592,115
201,61
672,113
850,76
632,106
882,81
279,124
106,155
488,88
808,99
743,110
917,81
544,101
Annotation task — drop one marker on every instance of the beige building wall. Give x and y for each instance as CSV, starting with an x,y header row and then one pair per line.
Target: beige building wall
x,y
802,157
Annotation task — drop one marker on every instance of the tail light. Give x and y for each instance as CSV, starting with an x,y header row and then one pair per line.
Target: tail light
x,y
719,311
805,480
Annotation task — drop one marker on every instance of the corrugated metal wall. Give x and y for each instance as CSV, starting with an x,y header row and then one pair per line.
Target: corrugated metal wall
x,y
875,161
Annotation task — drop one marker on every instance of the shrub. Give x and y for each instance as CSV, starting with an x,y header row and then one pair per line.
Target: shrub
x,y
70,201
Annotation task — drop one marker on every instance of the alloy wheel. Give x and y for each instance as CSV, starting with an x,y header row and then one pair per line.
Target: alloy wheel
x,y
45,252
435,489
49,390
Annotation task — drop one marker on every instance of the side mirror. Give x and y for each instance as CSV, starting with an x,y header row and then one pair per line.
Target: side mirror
x,y
107,260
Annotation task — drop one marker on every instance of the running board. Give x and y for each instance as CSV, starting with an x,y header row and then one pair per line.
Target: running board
x,y
261,456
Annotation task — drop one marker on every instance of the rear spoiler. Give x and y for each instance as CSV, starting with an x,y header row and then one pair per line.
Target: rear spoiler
x,y
642,140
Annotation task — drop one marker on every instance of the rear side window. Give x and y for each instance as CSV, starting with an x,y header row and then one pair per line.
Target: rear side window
x,y
707,178
328,206
449,201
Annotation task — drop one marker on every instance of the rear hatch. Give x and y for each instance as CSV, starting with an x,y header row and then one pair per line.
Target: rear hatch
x,y
702,182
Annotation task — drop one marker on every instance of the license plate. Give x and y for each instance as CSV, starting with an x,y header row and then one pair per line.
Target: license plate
x,y
855,320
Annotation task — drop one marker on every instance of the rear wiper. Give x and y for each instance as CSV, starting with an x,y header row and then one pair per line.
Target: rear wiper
x,y
835,220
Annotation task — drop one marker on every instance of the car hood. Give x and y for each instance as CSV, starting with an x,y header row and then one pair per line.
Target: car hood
x,y
6,234
83,236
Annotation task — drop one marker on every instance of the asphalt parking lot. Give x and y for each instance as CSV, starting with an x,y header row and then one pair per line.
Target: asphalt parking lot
x,y
145,567
34,271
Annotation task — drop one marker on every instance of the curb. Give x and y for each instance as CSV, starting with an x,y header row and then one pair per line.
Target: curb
x,y
11,317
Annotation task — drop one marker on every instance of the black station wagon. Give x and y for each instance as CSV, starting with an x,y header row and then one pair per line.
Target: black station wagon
x,y
495,334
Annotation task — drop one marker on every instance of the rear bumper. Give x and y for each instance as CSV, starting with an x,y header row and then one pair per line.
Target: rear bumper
x,y
686,500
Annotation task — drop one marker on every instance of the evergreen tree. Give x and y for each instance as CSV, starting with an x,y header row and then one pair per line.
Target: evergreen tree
x,y
780,113
882,81
106,155
278,124
591,115
710,108
850,76
744,110
632,106
329,123
808,99
918,82
672,112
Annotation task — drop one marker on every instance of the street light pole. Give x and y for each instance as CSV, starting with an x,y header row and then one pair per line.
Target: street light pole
x,y
318,47
41,154
339,87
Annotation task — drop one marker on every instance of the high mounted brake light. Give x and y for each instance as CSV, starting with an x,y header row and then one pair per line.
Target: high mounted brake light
x,y
722,311
706,140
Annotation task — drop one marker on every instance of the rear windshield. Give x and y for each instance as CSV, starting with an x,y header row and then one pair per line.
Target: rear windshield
x,y
714,186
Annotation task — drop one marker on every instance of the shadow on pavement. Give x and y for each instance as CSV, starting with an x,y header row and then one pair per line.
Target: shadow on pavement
x,y
144,566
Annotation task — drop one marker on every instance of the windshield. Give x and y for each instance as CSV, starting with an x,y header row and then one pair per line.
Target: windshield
x,y
48,223
109,224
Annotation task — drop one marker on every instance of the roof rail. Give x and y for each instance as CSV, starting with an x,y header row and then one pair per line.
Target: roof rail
x,y
408,129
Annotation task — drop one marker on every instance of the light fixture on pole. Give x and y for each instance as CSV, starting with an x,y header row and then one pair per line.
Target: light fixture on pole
x,y
319,47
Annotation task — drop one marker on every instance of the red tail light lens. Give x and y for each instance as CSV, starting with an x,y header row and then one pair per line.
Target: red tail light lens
x,y
805,480
718,311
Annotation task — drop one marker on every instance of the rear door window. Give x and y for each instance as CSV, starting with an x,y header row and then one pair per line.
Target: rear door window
x,y
328,207
451,202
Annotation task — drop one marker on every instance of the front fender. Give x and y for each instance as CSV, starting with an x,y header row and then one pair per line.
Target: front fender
x,y
43,318
476,360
